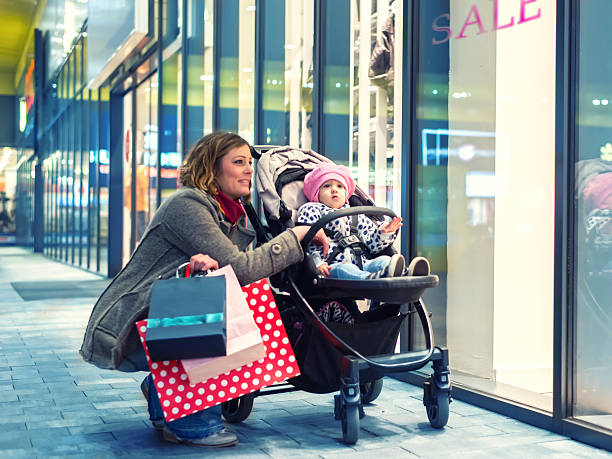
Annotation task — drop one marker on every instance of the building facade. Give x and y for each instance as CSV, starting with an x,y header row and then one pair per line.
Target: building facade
x,y
484,124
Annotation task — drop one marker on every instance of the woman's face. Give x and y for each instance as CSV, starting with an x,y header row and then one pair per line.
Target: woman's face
x,y
235,172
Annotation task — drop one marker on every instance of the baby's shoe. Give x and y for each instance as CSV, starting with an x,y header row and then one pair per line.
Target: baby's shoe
x,y
419,266
396,266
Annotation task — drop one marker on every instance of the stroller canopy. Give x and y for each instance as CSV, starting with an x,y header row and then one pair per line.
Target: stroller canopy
x,y
280,181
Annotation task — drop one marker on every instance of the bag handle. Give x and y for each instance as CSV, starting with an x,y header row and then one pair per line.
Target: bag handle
x,y
181,267
187,270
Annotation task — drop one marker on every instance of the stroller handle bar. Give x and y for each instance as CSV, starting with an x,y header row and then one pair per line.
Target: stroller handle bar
x,y
325,219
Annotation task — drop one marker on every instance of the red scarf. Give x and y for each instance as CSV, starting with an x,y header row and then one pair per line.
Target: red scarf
x,y
231,208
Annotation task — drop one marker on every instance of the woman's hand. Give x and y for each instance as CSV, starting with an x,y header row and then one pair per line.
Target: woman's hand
x,y
320,237
392,226
201,262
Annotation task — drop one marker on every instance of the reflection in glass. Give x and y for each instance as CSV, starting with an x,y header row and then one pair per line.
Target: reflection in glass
x,y
592,368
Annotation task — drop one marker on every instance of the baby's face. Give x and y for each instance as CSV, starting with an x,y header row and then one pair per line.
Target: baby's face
x,y
333,194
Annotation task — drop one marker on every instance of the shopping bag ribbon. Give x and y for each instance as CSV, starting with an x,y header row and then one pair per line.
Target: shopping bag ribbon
x,y
185,320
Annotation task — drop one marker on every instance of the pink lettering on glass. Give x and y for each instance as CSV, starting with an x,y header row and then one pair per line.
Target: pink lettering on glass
x,y
477,20
438,28
524,4
496,25
474,19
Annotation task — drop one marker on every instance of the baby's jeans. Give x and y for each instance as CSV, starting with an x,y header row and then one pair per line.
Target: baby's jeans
x,y
351,271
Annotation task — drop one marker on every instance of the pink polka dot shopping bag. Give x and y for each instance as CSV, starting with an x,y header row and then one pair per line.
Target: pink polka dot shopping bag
x,y
180,398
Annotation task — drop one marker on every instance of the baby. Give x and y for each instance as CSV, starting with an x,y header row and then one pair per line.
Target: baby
x,y
328,187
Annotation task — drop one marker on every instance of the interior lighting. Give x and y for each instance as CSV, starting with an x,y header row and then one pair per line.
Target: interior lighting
x,y
466,152
434,92
247,69
596,102
604,102
23,117
338,84
251,8
206,77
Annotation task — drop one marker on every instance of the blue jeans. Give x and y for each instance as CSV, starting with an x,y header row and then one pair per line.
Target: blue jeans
x,y
196,425
351,271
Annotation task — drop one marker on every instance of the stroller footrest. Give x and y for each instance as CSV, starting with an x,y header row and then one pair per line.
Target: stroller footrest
x,y
407,289
395,363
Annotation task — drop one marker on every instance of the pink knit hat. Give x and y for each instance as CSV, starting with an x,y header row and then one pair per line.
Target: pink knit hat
x,y
324,172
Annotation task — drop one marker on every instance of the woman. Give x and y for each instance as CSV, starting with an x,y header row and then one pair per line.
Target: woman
x,y
205,224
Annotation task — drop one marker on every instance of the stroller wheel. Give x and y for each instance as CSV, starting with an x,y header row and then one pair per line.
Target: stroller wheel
x,y
238,409
350,424
437,405
370,391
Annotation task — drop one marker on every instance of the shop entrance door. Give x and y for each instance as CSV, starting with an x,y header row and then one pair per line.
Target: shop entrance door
x,y
140,161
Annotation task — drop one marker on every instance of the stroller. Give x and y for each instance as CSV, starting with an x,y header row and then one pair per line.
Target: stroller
x,y
351,358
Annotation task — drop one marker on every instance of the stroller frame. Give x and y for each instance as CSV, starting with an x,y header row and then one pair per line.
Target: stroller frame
x,y
361,376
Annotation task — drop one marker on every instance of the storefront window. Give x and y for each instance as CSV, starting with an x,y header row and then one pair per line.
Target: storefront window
x,y
140,162
171,20
485,124
104,163
92,166
200,74
63,183
128,147
146,154
236,67
376,31
335,63
169,129
80,185
287,73
592,318
71,183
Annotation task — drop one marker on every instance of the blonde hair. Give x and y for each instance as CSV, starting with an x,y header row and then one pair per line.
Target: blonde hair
x,y
202,163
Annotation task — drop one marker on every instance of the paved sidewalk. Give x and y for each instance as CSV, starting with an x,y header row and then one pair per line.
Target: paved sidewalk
x,y
55,405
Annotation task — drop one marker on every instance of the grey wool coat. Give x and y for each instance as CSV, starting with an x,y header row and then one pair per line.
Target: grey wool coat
x,y
187,223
